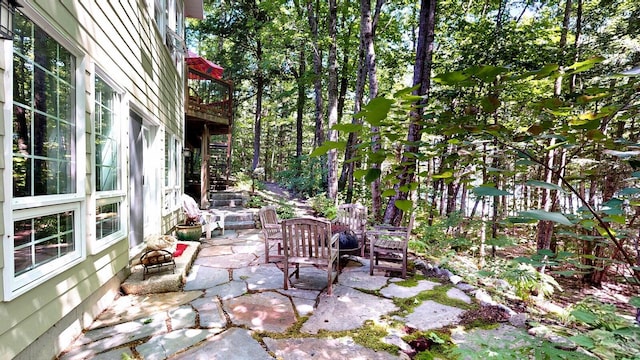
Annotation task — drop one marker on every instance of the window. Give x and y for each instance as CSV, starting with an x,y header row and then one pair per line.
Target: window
x,y
172,172
108,163
46,200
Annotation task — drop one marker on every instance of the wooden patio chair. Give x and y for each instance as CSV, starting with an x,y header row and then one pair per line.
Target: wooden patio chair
x,y
271,231
390,244
309,242
354,216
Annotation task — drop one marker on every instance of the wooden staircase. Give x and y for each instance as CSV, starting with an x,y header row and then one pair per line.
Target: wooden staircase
x,y
218,167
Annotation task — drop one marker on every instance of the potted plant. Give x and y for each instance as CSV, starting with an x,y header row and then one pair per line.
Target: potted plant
x,y
191,230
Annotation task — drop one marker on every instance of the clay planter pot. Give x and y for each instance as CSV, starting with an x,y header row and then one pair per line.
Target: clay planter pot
x,y
188,232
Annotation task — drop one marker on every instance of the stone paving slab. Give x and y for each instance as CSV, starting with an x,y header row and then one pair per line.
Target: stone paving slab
x,y
266,311
183,317
118,353
458,294
132,307
163,346
100,340
347,309
234,261
328,349
233,344
260,277
362,280
203,277
227,290
311,278
400,291
432,315
210,311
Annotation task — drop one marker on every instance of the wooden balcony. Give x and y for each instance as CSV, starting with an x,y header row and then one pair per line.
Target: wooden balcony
x,y
208,126
209,102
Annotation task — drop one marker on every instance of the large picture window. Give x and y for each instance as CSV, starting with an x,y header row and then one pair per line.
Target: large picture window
x,y
43,118
47,201
108,163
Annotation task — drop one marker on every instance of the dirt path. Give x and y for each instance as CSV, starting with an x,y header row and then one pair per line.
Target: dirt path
x,y
275,192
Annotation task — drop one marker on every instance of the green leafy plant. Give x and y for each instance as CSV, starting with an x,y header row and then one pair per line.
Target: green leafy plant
x,y
527,280
323,206
608,334
285,211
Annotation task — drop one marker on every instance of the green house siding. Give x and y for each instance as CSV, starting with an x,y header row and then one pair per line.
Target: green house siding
x,y
122,40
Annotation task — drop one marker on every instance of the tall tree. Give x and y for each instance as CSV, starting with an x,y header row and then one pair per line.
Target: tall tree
x,y
312,13
332,159
366,32
421,79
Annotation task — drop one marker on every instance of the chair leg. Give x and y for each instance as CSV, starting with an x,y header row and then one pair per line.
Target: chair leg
x,y
266,251
370,259
404,266
286,275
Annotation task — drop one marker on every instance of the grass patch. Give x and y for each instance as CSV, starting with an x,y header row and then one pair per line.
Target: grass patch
x,y
437,294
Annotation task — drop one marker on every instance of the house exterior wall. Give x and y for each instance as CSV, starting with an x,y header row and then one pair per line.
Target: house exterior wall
x,y
118,40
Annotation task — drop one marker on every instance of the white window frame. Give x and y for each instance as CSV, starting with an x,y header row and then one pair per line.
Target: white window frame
x,y
172,182
114,196
16,209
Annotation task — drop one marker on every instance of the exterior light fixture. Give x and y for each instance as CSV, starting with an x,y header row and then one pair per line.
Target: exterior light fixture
x,y
186,152
7,9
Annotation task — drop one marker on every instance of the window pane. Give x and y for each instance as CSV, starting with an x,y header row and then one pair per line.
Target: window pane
x,y
44,121
41,240
107,138
107,220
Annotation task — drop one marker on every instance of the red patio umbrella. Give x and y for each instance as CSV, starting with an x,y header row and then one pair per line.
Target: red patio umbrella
x,y
203,65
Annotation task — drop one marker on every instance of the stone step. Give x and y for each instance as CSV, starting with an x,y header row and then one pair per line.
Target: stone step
x,y
237,218
225,195
227,203
237,225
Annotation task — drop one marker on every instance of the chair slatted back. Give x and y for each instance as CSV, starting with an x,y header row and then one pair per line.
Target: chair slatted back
x,y
353,215
307,238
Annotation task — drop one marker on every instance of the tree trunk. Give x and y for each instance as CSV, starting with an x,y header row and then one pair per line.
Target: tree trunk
x,y
332,158
257,126
317,69
346,177
302,98
421,76
366,31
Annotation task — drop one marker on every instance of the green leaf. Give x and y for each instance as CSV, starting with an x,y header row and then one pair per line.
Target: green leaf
x,y
584,65
544,185
489,191
635,301
348,128
443,175
546,216
404,205
451,78
628,191
372,174
487,73
545,71
388,192
360,173
377,110
583,340
326,146
586,317
490,103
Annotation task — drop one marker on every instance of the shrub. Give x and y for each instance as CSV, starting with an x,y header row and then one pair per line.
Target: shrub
x,y
323,206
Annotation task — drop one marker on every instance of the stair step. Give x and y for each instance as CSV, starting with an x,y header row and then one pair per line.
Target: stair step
x,y
230,203
237,225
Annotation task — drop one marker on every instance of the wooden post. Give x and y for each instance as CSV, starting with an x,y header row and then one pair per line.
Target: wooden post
x,y
204,169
